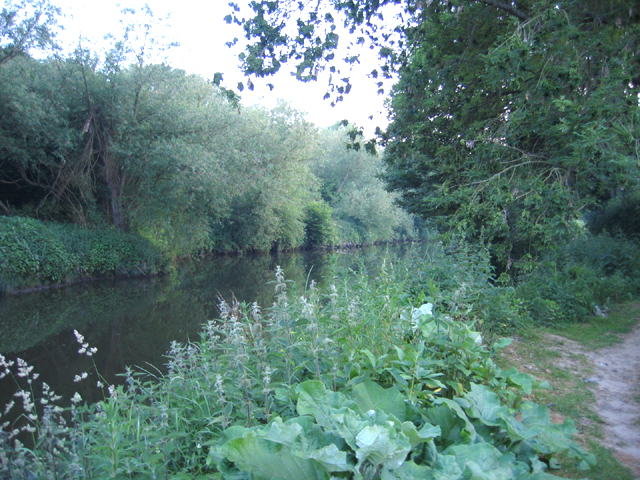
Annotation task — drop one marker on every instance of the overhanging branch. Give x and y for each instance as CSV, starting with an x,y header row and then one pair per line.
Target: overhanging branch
x,y
507,8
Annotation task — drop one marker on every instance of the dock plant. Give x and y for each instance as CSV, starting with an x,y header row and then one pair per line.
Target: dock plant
x,y
346,381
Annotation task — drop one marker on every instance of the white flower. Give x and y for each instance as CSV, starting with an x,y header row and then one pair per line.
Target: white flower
x,y
76,398
113,391
79,337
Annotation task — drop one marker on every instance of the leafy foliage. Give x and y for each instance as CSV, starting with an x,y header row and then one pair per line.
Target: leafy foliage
x,y
581,278
351,382
617,216
499,123
319,225
33,253
26,25
363,210
508,119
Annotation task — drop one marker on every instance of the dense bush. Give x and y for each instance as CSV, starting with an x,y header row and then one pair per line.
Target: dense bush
x,y
573,279
34,253
620,215
319,226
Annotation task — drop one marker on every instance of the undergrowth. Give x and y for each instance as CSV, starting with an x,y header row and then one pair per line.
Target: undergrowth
x,y
369,378
35,253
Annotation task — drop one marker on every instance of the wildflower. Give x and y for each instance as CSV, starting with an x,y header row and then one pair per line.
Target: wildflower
x,y
113,392
79,378
5,365
84,346
76,398
23,368
79,337
99,384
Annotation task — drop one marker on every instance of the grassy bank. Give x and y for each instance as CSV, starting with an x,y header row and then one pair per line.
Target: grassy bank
x,y
35,254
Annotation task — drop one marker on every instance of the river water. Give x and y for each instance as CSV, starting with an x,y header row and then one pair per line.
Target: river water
x,y
132,322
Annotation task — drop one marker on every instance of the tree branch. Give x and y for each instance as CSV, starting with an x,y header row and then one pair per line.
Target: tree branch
x,y
5,208
507,8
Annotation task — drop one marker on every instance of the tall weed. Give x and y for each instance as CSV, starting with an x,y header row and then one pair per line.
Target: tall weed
x,y
251,368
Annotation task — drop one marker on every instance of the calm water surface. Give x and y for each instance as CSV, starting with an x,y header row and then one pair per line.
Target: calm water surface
x,y
132,322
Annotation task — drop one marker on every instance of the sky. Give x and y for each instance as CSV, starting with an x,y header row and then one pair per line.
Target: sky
x,y
199,28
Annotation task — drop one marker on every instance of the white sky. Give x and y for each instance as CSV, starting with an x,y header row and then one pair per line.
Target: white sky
x,y
202,33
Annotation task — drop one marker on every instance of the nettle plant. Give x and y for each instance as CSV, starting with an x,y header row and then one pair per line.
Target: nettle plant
x,y
348,383
433,421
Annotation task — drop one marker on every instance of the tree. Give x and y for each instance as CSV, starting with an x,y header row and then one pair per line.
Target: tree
x,y
510,127
509,119
38,143
25,25
349,182
265,155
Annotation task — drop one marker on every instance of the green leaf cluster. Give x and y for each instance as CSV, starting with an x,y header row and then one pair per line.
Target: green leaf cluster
x,y
34,253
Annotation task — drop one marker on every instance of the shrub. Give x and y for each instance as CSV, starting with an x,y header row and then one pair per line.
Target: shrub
x,y
620,215
572,280
351,382
319,226
34,253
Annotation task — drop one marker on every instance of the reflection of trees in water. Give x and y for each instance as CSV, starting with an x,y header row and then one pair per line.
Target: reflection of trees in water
x,y
133,322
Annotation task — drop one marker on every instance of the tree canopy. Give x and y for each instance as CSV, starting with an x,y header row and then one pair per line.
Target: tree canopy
x,y
509,120
114,140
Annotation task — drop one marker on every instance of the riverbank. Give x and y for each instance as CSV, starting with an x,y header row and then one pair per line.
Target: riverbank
x,y
37,255
361,377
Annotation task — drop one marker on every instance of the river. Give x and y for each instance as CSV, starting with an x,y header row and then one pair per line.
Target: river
x,y
132,322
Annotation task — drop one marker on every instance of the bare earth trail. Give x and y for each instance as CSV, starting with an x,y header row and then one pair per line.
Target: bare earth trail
x,y
617,390
615,382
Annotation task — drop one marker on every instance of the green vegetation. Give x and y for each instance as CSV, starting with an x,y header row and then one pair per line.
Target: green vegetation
x,y
114,141
571,396
34,253
509,120
351,382
514,129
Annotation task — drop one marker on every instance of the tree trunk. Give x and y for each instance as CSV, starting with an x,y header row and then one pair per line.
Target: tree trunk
x,y
115,183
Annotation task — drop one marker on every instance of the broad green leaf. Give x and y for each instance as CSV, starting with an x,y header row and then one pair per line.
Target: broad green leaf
x,y
522,380
332,459
416,436
450,424
266,460
484,461
382,445
445,468
372,397
485,405
468,432
285,434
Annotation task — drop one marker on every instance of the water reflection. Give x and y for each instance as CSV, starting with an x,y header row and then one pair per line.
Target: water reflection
x,y
132,322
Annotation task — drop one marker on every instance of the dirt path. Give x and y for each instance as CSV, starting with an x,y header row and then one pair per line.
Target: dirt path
x,y
617,388
614,379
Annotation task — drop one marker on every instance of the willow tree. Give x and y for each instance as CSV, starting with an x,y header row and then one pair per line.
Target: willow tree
x,y
509,120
